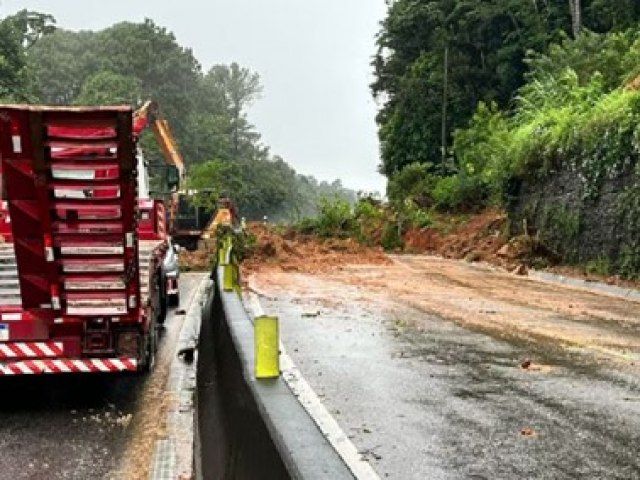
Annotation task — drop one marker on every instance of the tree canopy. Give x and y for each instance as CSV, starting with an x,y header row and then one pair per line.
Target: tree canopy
x,y
129,63
18,35
437,59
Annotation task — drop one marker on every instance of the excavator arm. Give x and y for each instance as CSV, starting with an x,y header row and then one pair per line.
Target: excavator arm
x,y
148,116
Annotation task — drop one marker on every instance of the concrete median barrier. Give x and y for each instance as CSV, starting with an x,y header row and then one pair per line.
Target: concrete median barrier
x,y
249,428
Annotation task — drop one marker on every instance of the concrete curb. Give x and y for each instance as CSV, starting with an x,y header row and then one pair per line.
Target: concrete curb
x,y
304,450
173,456
613,290
331,429
548,277
557,279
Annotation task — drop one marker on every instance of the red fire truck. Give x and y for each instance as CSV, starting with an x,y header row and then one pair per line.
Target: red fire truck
x,y
82,287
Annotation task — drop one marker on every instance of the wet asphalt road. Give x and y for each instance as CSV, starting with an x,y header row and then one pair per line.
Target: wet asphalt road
x,y
445,402
75,427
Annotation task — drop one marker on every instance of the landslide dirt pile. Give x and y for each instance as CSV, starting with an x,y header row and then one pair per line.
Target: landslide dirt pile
x,y
198,260
481,237
290,251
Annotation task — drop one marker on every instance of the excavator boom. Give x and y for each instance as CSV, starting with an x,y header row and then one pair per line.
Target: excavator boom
x,y
167,143
148,115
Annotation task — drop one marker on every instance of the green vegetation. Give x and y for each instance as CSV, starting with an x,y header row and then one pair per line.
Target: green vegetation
x,y
482,97
18,35
476,93
336,218
563,119
600,266
438,58
368,221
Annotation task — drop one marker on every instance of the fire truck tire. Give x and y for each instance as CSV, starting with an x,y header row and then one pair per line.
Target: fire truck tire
x,y
162,313
162,300
150,349
150,338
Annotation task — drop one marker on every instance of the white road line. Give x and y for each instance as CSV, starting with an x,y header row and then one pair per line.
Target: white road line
x,y
328,425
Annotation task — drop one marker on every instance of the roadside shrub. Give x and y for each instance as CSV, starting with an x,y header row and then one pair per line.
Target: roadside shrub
x,y
369,215
392,236
414,182
368,209
629,262
599,266
420,217
460,193
335,219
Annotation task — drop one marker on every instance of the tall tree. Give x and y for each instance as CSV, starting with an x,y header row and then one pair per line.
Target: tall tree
x,y
108,88
238,88
576,17
144,52
18,34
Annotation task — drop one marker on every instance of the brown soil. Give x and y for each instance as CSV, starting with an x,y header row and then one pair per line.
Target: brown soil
x,y
478,297
502,302
292,252
482,238
479,238
196,261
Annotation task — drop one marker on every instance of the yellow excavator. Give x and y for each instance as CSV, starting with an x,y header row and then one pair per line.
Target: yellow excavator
x,y
226,216
149,115
186,222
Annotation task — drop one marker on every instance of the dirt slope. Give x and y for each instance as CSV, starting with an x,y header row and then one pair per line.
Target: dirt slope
x,y
291,252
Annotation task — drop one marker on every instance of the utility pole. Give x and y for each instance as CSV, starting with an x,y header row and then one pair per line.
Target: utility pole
x,y
576,16
445,89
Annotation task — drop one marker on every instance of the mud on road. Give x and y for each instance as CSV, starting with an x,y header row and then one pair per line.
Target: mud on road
x,y
483,298
87,427
444,369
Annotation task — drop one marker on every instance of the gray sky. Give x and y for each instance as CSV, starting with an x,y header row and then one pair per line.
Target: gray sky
x,y
312,55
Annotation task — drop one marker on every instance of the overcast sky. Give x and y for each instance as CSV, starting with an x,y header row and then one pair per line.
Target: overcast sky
x,y
312,56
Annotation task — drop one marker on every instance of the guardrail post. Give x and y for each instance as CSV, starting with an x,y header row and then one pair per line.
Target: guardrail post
x,y
267,350
224,252
228,278
229,264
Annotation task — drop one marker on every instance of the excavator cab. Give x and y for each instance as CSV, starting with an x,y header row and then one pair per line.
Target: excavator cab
x,y
226,216
173,178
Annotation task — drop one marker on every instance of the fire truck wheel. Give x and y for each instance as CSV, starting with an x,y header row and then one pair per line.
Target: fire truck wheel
x,y
150,348
162,313
162,300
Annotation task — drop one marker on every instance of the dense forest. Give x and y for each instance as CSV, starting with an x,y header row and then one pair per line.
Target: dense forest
x,y
474,91
129,63
527,106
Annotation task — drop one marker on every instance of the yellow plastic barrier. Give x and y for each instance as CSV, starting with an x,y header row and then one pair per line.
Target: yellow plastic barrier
x,y
224,252
267,347
228,278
